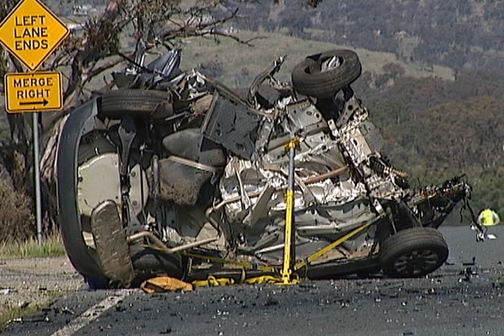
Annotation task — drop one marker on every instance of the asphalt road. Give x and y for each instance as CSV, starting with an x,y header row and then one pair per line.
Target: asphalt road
x,y
464,297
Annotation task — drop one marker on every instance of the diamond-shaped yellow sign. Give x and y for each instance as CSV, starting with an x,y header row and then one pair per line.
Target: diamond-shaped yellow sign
x,y
31,32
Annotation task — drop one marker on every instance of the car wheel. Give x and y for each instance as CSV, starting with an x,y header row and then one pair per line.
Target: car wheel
x,y
413,252
116,104
82,257
323,75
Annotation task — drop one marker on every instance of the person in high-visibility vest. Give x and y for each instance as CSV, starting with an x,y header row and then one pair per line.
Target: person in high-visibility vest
x,y
488,217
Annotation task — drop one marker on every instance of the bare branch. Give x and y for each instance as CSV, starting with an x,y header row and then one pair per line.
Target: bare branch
x,y
96,71
200,23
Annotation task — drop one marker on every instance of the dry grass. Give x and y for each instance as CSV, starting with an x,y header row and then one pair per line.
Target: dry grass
x,y
51,246
268,46
16,214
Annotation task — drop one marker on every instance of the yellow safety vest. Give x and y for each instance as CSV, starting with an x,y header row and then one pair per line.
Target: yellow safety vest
x,y
488,217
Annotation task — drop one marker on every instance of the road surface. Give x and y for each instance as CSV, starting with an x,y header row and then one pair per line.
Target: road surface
x,y
463,297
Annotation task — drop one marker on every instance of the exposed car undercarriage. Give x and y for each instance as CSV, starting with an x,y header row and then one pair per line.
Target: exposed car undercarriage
x,y
174,173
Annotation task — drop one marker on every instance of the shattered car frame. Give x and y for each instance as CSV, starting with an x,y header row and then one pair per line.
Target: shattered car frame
x,y
174,173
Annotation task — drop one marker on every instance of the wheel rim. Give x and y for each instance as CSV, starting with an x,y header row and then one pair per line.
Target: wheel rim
x,y
330,64
416,262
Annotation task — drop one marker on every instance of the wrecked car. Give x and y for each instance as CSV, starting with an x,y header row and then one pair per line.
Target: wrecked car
x,y
173,173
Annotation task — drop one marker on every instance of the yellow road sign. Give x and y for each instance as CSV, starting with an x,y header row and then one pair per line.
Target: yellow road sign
x,y
33,92
31,32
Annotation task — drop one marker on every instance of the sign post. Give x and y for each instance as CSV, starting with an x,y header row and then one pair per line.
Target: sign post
x,y
31,32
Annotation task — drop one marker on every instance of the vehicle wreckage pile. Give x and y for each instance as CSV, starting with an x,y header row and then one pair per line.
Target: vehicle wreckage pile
x,y
175,174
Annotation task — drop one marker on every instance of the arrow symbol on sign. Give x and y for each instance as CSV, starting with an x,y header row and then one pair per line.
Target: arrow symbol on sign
x,y
43,103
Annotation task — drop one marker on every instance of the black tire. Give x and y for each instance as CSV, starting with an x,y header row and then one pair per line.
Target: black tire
x,y
413,252
72,152
150,261
143,103
82,257
309,78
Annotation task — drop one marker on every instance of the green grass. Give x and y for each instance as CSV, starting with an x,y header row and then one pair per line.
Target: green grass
x,y
51,246
12,314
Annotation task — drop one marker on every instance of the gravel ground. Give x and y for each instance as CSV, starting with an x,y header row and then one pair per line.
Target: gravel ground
x,y
35,282
447,302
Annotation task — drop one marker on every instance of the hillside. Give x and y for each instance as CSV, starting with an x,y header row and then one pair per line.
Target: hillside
x,y
237,65
434,126
460,34
432,76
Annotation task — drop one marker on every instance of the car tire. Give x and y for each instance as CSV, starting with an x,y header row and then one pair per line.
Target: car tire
x,y
413,252
309,77
116,104
148,262
81,256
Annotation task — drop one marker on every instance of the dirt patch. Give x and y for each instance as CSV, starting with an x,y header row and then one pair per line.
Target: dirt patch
x,y
36,282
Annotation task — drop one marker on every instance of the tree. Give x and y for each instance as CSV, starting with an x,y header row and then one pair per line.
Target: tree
x,y
89,53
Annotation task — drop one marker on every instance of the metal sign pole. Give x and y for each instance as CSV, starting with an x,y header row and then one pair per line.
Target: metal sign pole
x,y
36,169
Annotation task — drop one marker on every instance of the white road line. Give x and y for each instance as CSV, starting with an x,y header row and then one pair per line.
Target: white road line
x,y
92,313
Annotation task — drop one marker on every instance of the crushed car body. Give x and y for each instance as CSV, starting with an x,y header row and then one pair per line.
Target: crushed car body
x,y
172,173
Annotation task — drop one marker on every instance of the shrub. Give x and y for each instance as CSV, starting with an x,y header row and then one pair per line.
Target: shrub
x,y
16,215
